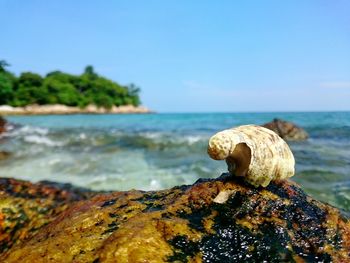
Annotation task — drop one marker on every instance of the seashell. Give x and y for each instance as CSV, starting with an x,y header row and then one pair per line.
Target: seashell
x,y
256,153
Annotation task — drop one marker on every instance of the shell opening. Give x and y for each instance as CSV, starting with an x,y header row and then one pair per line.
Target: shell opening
x,y
238,162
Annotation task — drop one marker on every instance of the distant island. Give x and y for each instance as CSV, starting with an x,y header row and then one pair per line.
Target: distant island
x,y
61,93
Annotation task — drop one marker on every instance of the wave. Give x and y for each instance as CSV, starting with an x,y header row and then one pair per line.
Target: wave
x,y
41,140
27,130
110,158
32,135
326,132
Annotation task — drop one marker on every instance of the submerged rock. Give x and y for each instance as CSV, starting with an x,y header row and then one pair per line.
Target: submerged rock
x,y
4,155
287,130
217,220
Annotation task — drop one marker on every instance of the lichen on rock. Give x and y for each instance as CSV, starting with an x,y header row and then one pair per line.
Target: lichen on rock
x,y
25,207
279,223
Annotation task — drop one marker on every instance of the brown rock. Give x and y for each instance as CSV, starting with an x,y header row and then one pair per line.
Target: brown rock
x,y
2,124
4,155
287,130
26,207
217,220
63,109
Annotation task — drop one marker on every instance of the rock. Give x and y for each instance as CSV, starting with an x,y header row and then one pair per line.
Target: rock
x,y
26,207
287,130
216,220
4,155
63,109
2,124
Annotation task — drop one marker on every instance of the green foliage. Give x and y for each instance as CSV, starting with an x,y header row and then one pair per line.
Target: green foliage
x,y
61,88
90,72
7,81
30,79
133,94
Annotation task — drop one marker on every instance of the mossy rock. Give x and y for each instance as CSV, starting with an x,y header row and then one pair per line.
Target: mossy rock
x,y
217,220
26,207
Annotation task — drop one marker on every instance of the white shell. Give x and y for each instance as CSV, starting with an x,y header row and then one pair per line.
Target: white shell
x,y
256,153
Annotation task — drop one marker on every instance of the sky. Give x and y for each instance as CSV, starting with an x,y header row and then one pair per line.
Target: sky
x,y
192,55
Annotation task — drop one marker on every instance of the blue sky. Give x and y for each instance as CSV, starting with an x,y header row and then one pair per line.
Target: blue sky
x,y
192,55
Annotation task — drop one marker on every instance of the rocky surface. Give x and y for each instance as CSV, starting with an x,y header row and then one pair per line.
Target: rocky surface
x,y
26,207
217,220
63,109
3,154
287,130
2,124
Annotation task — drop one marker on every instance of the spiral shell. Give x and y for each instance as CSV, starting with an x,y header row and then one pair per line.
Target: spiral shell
x,y
256,153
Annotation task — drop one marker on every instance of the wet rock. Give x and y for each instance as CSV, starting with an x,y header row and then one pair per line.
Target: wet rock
x,y
4,155
2,124
26,207
287,130
217,220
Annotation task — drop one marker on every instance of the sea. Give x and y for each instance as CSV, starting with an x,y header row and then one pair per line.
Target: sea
x,y
158,151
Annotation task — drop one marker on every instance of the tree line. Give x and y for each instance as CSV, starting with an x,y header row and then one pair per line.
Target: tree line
x,y
62,88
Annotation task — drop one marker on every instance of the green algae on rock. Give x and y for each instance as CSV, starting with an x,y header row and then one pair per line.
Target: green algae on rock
x,y
26,207
279,223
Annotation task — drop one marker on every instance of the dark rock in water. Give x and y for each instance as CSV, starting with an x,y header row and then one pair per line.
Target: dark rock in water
x,y
4,155
287,130
2,124
217,220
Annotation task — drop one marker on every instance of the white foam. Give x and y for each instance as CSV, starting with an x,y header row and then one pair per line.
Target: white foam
x,y
26,130
161,137
193,139
41,140
151,135
154,185
54,161
31,129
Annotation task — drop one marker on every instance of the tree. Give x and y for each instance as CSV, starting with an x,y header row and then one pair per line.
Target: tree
x,y
89,71
3,65
30,79
59,87
6,87
61,91
29,90
133,94
103,100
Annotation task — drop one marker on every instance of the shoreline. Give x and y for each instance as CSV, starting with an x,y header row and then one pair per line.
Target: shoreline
x,y
59,109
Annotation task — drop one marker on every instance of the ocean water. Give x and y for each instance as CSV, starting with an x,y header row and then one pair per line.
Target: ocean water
x,y
157,151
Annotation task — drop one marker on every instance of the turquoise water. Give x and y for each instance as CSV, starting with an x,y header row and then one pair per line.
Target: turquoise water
x,y
156,151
